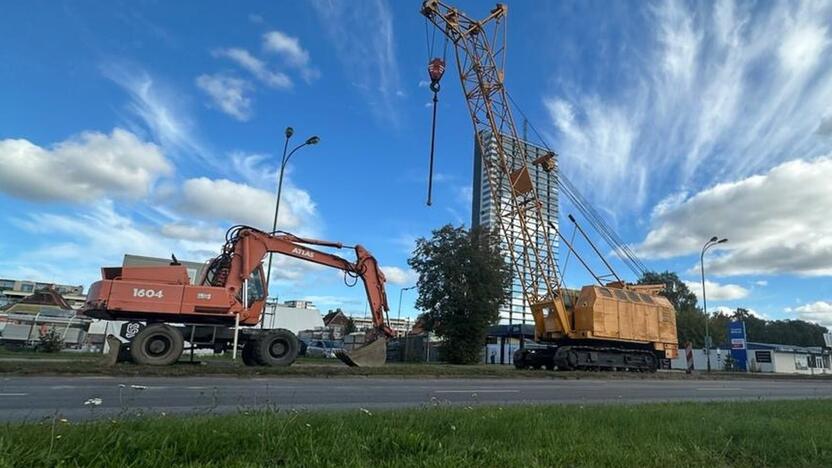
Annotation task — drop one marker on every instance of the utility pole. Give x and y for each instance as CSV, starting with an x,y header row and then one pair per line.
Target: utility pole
x,y
712,242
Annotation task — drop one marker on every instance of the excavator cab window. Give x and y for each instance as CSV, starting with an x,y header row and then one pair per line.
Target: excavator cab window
x,y
256,286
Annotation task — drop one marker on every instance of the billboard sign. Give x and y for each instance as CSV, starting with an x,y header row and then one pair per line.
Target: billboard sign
x,y
739,345
827,339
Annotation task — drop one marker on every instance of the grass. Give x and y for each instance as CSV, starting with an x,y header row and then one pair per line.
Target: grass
x,y
31,354
753,434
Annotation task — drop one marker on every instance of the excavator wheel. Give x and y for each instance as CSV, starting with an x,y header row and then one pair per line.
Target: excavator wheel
x,y
157,345
248,354
276,348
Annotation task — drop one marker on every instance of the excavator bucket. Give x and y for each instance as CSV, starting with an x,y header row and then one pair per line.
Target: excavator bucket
x,y
372,354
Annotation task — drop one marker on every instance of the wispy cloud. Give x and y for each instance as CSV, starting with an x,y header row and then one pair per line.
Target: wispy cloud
x,y
158,110
363,37
260,69
293,54
708,94
229,94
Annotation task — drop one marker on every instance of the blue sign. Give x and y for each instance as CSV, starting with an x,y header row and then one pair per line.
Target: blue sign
x,y
739,346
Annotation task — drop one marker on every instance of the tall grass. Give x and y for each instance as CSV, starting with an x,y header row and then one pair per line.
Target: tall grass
x,y
753,434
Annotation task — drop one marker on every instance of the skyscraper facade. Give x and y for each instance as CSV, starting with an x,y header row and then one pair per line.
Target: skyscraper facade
x,y
516,310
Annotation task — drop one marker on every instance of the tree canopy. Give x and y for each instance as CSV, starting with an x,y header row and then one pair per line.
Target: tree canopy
x,y
690,321
463,280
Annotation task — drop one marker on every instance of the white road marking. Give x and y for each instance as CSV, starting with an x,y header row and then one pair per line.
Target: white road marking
x,y
13,394
476,391
717,389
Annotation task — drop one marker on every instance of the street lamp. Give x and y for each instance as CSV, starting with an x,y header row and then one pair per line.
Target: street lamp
x,y
401,291
712,242
283,162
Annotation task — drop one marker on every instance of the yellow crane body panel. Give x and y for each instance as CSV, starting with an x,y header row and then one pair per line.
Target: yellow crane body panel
x,y
616,314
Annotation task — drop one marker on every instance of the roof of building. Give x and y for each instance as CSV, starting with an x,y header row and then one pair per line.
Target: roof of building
x,y
781,348
47,296
334,315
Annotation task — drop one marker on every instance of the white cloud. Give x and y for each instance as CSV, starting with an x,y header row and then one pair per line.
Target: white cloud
x,y
195,232
717,291
731,310
803,45
324,303
777,222
82,168
703,94
229,94
96,237
255,66
252,168
761,283
819,312
224,200
363,37
399,276
290,49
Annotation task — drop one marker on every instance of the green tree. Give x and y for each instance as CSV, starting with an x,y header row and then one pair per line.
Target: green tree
x,y
349,327
463,280
675,290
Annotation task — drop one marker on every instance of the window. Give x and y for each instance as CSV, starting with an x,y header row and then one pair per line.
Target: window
x,y
620,294
763,356
633,296
646,298
605,292
256,286
27,287
6,284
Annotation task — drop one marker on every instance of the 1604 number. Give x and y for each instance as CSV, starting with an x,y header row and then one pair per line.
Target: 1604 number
x,y
139,292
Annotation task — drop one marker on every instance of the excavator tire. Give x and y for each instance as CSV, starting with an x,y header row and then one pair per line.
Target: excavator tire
x,y
157,345
248,354
276,348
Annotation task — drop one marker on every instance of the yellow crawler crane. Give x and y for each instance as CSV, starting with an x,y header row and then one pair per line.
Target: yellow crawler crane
x,y
613,325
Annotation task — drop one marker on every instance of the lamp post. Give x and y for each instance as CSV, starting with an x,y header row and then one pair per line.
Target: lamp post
x,y
313,140
401,291
712,242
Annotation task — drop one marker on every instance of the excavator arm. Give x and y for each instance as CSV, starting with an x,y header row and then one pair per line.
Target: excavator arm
x,y
250,247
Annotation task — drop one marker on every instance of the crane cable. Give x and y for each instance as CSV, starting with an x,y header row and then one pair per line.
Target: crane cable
x,y
606,231
436,68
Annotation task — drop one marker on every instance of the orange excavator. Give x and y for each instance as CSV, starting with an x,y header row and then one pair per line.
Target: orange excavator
x,y
219,310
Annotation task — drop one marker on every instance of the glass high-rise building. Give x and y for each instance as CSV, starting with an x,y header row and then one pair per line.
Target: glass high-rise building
x,y
483,213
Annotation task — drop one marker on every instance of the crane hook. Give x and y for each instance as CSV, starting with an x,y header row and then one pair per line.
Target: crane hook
x,y
436,68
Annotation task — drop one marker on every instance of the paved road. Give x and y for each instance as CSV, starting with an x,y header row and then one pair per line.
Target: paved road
x,y
32,398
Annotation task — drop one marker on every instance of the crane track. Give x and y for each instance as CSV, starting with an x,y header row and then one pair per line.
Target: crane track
x,y
582,357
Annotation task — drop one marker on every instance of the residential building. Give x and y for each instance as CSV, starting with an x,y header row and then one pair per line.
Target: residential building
x,y
13,291
399,325
484,213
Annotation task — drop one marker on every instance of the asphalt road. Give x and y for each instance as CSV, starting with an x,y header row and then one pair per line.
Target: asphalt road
x,y
34,398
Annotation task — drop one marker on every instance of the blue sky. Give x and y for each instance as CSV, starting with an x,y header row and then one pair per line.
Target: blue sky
x,y
150,127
